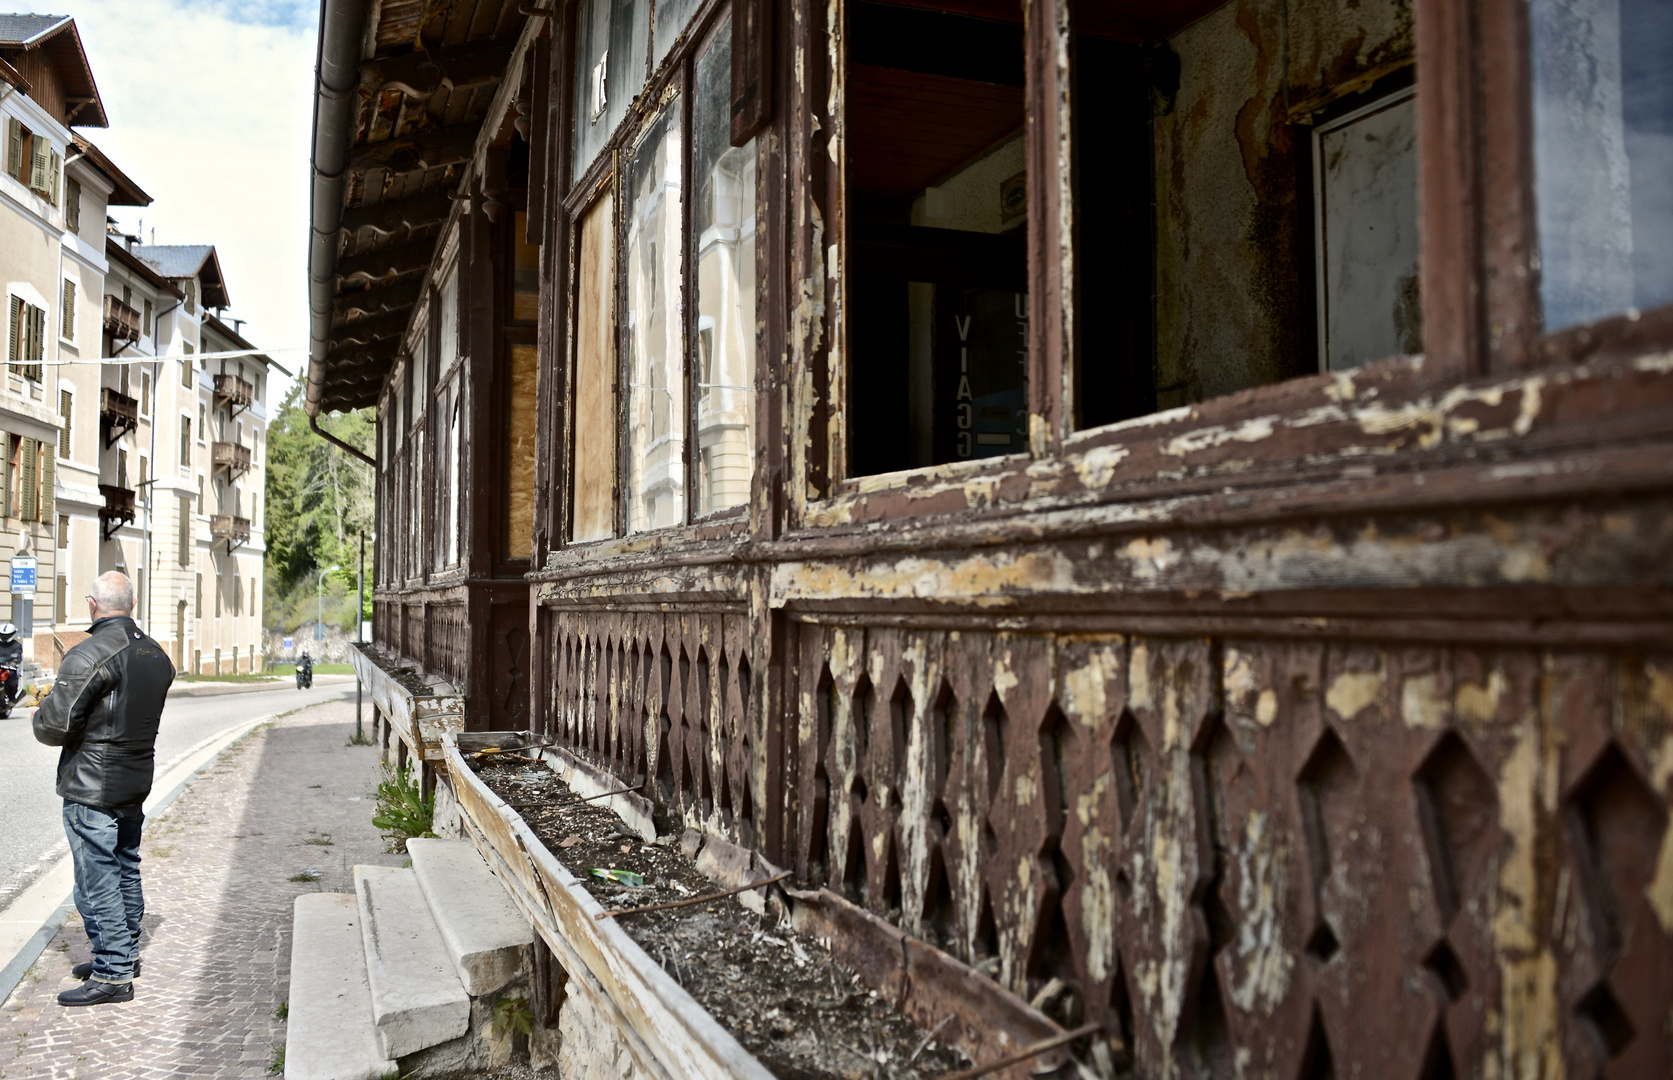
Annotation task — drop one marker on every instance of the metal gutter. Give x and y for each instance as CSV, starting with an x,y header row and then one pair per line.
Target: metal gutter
x,y
336,86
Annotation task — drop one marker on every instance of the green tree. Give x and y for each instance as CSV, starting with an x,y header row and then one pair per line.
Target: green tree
x,y
319,501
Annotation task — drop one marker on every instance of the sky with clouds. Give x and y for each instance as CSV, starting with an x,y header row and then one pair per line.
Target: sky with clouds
x,y
211,108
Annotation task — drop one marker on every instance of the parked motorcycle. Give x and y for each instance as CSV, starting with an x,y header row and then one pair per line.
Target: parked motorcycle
x,y
11,668
304,672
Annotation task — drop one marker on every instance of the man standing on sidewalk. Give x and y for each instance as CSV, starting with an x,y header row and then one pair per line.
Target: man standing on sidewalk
x,y
103,709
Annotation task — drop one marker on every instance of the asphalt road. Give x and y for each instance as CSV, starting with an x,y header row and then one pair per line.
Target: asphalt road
x,y
31,819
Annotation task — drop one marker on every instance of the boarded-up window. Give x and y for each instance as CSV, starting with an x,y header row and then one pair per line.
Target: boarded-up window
x,y
520,464
593,507
60,599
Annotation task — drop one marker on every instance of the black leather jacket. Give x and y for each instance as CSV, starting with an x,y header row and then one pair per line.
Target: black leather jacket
x,y
103,710
12,655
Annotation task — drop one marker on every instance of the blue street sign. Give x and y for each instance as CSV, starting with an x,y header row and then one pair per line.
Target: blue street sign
x,y
23,574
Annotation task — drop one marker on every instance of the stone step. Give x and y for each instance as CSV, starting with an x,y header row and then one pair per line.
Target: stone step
x,y
484,932
417,999
329,1034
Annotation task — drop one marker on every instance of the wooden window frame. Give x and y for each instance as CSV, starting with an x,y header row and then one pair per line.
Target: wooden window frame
x,y
1477,234
672,78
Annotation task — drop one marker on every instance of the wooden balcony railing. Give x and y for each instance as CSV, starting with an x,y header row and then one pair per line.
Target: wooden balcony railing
x,y
234,390
234,456
227,527
117,407
118,508
121,321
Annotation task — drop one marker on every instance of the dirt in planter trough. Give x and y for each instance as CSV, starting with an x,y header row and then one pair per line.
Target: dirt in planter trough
x,y
803,1015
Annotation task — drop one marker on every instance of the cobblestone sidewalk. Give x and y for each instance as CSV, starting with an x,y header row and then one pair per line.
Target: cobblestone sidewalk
x,y
222,868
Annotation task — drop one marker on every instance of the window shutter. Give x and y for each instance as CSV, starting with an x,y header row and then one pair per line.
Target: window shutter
x,y
53,172
14,346
14,147
29,491
40,165
5,475
185,532
69,330
60,601
49,474
66,404
72,204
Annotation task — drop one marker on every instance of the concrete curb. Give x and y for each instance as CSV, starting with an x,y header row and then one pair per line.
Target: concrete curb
x,y
213,689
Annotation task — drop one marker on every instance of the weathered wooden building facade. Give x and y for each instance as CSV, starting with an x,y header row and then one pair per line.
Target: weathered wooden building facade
x,y
1170,502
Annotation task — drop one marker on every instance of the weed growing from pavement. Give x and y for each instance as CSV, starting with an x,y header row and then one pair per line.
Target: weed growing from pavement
x,y
277,1065
403,811
512,1014
360,738
319,841
282,1012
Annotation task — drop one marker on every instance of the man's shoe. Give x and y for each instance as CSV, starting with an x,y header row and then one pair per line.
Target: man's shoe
x,y
97,993
85,971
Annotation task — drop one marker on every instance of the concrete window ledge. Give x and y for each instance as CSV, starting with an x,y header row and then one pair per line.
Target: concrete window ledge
x,y
621,1004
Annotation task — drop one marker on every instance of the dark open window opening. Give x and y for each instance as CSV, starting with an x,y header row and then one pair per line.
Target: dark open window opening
x,y
937,200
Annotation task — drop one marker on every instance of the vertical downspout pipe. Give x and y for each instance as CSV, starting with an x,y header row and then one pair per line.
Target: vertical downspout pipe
x,y
336,93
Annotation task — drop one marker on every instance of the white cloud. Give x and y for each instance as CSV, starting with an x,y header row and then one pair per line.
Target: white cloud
x,y
211,111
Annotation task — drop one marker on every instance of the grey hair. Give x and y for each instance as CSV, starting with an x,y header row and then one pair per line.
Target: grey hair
x,y
113,592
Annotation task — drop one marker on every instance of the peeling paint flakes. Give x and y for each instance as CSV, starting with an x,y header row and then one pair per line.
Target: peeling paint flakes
x,y
1096,467
1138,678
1260,956
1420,705
1660,890
1261,427
1481,703
1529,1035
1352,691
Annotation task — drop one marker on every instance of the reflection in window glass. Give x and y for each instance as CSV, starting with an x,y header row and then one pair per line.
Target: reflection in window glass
x,y
655,344
724,222
525,271
1603,155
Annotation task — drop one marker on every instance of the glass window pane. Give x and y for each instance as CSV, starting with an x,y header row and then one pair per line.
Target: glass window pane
x,y
655,337
670,18
1603,155
724,221
1365,189
592,513
611,41
525,271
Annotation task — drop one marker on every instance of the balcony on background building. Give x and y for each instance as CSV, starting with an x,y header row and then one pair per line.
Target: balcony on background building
x,y
118,413
234,391
235,457
121,321
118,508
228,527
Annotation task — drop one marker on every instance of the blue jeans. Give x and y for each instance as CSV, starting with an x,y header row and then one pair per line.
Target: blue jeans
x,y
104,844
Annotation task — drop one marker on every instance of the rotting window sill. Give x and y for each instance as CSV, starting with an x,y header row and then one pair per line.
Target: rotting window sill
x,y
1371,436
711,539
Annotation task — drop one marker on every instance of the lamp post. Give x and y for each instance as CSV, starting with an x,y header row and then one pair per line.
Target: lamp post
x,y
319,610
360,637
